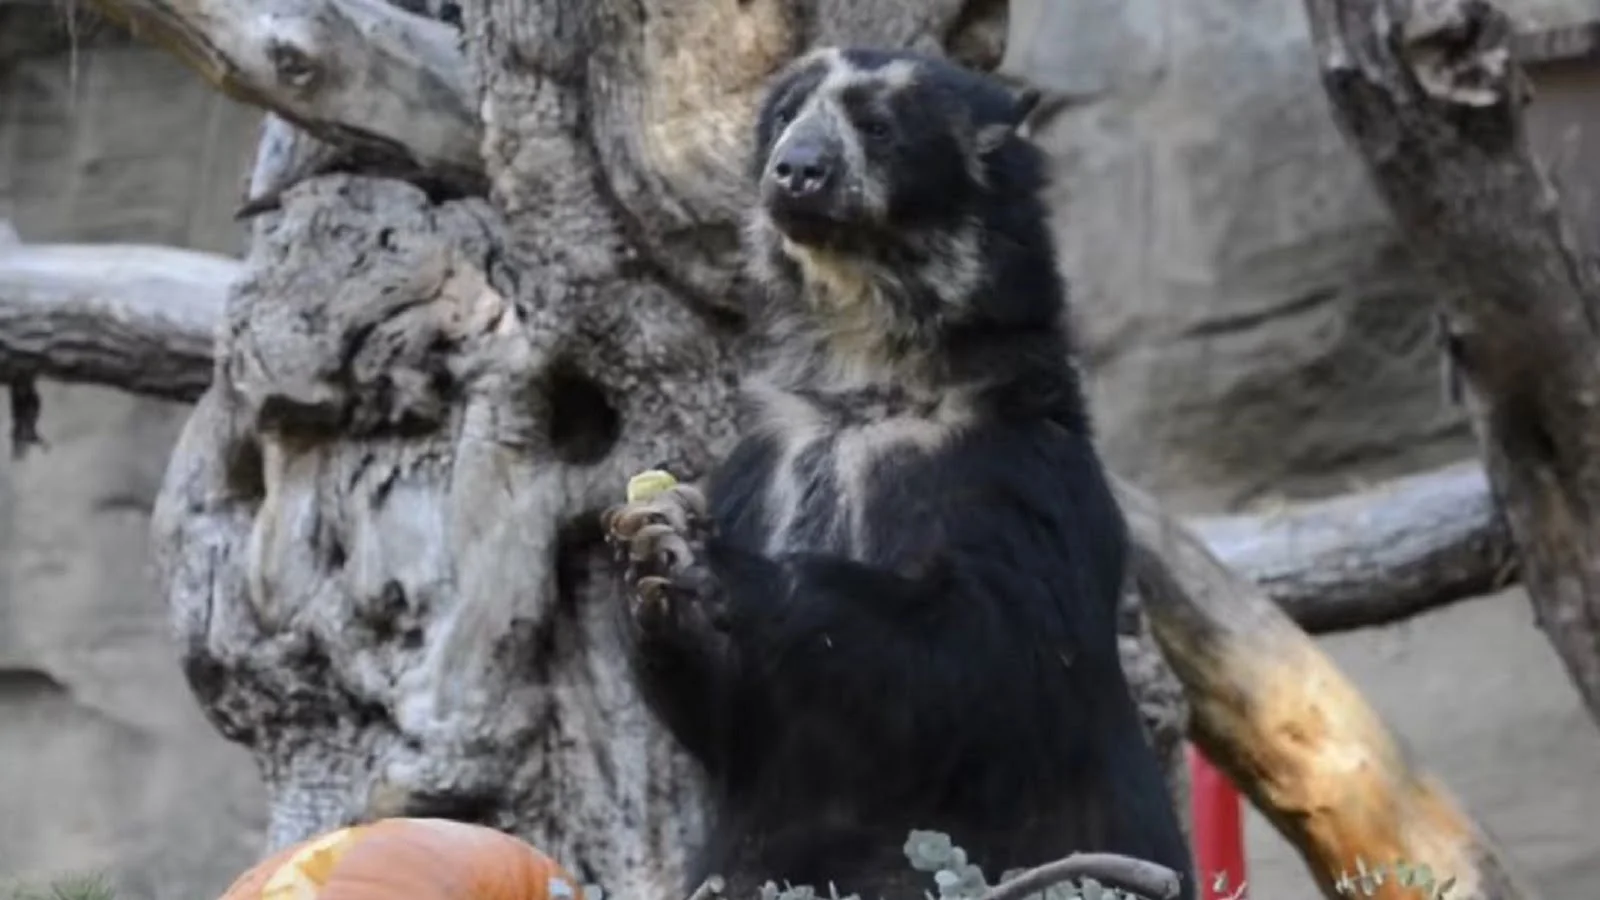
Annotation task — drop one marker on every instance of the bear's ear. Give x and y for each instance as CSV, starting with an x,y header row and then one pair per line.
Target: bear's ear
x,y
1023,106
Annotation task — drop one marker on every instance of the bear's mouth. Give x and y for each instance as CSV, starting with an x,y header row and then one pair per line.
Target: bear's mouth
x,y
806,228
809,225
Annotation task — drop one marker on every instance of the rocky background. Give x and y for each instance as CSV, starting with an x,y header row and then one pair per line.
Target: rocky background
x,y
105,760
1254,330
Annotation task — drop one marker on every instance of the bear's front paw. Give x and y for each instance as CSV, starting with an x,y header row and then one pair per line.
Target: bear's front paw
x,y
658,539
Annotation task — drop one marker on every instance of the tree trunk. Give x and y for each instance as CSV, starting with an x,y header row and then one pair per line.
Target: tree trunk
x,y
1431,95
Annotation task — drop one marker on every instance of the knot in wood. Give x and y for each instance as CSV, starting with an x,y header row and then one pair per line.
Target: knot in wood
x,y
292,65
1459,51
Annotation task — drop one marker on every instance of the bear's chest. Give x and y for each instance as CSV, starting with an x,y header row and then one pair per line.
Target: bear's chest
x,y
839,457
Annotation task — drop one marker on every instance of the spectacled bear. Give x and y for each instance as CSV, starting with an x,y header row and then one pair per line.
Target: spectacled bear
x,y
893,606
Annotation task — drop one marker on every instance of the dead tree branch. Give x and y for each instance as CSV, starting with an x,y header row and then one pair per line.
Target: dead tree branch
x,y
1373,556
359,74
1284,723
1146,879
139,318
1431,97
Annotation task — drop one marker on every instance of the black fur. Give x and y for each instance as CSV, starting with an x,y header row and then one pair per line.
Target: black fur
x,y
931,640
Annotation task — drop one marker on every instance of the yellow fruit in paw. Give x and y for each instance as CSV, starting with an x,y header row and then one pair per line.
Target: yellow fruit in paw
x,y
649,483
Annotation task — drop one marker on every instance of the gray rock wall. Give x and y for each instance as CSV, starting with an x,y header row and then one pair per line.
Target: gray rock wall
x,y
106,764
1255,326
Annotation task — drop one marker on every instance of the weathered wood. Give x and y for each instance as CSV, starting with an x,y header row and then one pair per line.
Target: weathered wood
x,y
367,525
1273,712
140,318
1431,97
285,156
360,74
1372,556
1141,878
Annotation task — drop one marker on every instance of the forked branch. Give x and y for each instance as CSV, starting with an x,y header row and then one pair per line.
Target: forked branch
x,y
1430,95
1273,712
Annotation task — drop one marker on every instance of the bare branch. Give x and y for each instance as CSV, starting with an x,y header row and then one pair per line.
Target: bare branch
x,y
1146,879
1285,724
1373,556
140,318
1431,96
361,74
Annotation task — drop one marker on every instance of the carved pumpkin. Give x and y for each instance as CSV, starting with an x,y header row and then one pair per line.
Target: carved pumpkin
x,y
407,859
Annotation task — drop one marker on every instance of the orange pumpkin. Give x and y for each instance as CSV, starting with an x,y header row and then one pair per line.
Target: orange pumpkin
x,y
407,859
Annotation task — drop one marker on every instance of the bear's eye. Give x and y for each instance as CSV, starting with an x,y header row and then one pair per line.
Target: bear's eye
x,y
875,129
784,116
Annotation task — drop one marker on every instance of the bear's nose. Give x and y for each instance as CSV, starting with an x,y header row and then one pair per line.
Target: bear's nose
x,y
802,168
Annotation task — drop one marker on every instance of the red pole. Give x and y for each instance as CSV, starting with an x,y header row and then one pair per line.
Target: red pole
x,y
1218,829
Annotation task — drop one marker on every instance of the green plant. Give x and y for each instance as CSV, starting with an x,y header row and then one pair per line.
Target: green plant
x,y
72,887
1364,882
1083,877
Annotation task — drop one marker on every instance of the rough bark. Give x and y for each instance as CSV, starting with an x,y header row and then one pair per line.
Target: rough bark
x,y
1272,711
372,531
1431,96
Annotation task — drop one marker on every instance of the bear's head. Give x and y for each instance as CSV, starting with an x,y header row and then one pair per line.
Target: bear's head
x,y
899,211
860,144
